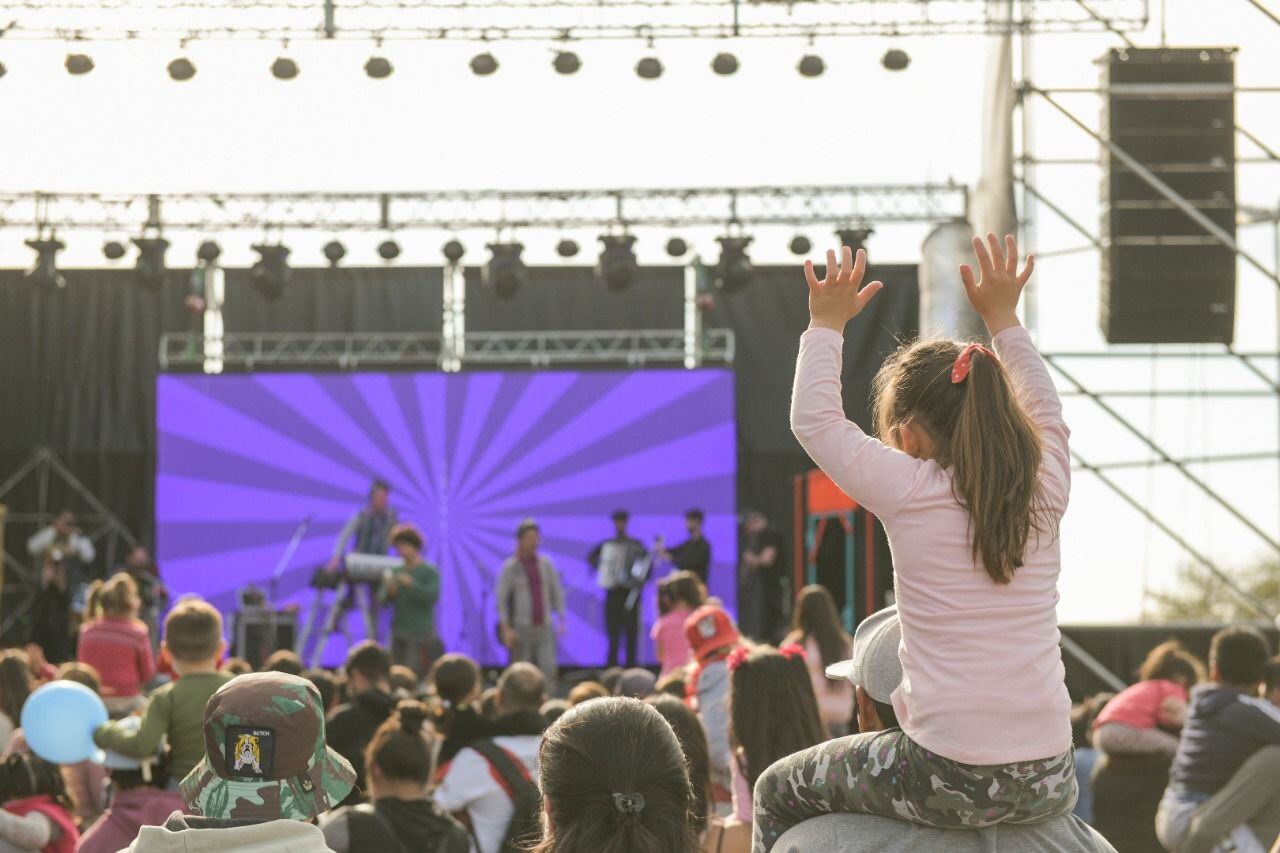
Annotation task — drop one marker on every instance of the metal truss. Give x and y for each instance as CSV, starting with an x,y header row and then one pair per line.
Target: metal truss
x,y
560,209
282,350
553,20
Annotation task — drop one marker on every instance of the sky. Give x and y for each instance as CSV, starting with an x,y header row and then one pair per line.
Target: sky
x,y
127,127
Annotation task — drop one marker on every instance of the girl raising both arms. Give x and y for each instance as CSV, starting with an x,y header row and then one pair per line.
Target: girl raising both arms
x,y
970,477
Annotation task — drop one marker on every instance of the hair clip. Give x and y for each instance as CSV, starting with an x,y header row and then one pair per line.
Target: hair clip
x,y
629,804
738,657
793,650
964,361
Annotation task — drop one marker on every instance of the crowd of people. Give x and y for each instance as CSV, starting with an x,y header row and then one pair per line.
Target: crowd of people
x,y
942,723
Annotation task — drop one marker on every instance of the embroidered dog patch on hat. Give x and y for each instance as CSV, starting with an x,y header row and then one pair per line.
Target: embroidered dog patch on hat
x,y
250,752
707,627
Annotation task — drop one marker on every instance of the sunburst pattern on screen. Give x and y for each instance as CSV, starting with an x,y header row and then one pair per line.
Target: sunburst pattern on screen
x,y
242,460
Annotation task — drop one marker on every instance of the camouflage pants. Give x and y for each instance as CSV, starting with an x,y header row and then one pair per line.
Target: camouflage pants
x,y
886,773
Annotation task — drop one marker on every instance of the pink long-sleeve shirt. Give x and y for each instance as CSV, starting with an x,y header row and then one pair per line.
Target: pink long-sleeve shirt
x,y
982,672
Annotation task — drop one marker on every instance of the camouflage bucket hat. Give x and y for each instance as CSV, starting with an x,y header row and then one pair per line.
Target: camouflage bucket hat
x,y
265,756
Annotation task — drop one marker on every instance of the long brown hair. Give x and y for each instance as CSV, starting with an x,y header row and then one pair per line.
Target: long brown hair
x,y
697,754
773,711
15,683
115,597
816,616
982,435
607,747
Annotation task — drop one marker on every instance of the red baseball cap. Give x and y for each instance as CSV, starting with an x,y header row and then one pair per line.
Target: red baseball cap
x,y
708,629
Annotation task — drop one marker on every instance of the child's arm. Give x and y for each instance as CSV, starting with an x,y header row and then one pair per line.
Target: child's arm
x,y
1172,712
994,295
146,741
146,663
29,832
871,473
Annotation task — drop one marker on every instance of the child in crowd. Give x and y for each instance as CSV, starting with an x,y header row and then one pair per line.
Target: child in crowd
x,y
587,691
712,637
772,714
117,644
1144,719
15,687
455,679
679,594
970,478
693,743
237,666
138,798
1225,782
85,781
817,629
614,779
399,763
36,813
193,642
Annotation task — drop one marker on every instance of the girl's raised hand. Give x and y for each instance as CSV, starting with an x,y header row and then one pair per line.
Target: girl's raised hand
x,y
995,294
836,299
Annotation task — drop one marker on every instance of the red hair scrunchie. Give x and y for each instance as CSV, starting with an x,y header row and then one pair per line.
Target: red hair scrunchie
x,y
738,657
964,362
792,650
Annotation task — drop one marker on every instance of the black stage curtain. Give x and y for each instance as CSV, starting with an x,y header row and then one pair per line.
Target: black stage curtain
x,y
379,299
569,299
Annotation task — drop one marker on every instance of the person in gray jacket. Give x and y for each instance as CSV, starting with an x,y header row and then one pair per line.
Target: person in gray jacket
x,y
530,600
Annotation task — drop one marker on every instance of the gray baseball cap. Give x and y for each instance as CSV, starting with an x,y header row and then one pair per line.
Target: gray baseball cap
x,y
874,666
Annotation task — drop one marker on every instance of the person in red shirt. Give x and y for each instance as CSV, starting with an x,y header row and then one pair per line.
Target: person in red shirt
x,y
1146,717
116,643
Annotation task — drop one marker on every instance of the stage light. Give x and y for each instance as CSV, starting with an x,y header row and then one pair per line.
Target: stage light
x,y
649,68
811,65
800,245
854,238
734,269
79,63
388,250
150,270
208,251
182,69
270,274
453,251
895,59
676,247
724,64
378,67
567,248
113,250
334,252
566,62
505,272
284,68
45,273
483,64
617,268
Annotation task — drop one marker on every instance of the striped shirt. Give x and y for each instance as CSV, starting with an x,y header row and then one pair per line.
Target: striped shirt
x,y
120,650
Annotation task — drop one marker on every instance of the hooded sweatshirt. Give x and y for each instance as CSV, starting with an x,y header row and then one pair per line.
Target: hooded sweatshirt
x,y
129,812
188,834
1225,726
350,728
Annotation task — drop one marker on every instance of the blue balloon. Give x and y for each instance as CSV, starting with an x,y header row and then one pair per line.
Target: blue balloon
x,y
59,720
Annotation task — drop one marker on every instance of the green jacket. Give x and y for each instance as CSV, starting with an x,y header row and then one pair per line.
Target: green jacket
x,y
414,609
176,712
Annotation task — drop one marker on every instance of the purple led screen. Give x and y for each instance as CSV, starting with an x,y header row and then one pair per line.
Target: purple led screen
x,y
242,460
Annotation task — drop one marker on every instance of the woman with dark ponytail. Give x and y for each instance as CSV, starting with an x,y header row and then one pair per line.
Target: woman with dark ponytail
x,y
399,763
614,780
970,477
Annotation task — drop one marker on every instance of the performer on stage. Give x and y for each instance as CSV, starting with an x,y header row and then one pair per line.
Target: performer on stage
x,y
529,595
371,526
760,583
615,563
64,554
693,554
413,591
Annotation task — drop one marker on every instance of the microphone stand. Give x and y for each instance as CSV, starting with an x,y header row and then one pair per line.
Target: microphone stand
x,y
287,556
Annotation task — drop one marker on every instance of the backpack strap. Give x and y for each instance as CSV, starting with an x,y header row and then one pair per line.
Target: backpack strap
x,y
509,771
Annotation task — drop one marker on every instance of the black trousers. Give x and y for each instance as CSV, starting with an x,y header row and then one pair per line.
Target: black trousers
x,y
617,619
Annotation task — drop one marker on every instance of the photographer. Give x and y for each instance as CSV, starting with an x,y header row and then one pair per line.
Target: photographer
x,y
64,555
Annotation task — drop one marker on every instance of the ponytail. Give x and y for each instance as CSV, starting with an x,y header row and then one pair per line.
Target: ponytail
x,y
995,464
401,748
113,597
982,435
